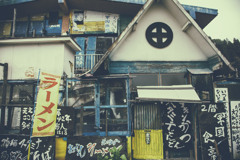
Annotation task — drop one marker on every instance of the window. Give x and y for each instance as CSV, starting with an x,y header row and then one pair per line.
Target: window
x,y
105,108
173,79
158,80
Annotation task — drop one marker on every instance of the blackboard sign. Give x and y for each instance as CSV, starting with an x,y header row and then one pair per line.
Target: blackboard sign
x,y
213,131
26,120
177,126
96,147
65,121
15,147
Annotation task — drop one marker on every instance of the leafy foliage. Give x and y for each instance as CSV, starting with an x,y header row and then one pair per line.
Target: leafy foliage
x,y
231,50
114,154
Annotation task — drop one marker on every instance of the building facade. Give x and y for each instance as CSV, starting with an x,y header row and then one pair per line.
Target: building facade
x,y
138,81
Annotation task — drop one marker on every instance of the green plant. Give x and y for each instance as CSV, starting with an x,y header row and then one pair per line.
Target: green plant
x,y
114,154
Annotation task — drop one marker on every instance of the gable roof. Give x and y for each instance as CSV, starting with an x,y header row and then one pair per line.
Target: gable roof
x,y
196,33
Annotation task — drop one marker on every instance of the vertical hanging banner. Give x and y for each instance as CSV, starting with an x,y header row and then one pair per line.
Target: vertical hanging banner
x,y
46,109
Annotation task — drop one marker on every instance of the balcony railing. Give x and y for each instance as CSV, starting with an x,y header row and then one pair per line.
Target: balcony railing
x,y
84,63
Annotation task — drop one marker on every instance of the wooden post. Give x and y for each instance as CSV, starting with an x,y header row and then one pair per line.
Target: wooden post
x,y
195,133
14,22
106,124
81,120
4,93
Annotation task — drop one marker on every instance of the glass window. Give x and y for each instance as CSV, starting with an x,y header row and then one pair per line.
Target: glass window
x,y
114,119
113,92
22,93
203,86
144,80
173,79
1,92
81,93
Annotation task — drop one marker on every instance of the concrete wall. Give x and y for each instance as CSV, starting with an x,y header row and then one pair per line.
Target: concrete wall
x,y
25,60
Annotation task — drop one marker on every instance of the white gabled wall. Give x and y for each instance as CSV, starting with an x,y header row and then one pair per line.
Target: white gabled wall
x,y
26,59
136,47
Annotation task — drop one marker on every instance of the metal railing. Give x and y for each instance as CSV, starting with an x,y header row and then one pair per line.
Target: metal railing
x,y
85,62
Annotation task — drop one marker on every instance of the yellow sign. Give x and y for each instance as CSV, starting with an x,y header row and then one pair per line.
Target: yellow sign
x,y
46,108
147,144
94,26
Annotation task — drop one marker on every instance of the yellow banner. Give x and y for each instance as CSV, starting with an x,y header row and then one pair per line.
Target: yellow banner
x,y
46,108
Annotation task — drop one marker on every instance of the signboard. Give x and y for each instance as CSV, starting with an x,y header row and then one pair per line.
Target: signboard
x,y
221,96
46,108
83,22
235,119
13,147
177,126
95,147
65,121
213,131
26,120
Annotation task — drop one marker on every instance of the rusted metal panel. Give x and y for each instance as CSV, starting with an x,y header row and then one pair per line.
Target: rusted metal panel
x,y
147,116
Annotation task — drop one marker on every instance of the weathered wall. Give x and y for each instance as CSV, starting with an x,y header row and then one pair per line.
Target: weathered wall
x,y
24,61
136,47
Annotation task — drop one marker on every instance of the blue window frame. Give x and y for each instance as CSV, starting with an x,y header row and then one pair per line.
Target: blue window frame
x,y
106,106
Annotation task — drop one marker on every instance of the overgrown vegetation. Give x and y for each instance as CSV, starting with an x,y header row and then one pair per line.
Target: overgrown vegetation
x,y
231,50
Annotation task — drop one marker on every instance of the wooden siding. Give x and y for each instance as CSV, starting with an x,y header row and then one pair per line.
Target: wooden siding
x,y
118,67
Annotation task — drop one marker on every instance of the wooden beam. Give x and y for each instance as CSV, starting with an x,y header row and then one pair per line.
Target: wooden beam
x,y
14,22
63,5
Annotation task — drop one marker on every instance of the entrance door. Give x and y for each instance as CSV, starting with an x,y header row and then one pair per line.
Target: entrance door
x,y
147,142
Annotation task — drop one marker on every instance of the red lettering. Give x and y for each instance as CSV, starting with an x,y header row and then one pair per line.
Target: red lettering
x,y
47,109
44,127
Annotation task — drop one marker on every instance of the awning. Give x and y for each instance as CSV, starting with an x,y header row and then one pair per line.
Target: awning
x,y
175,93
200,71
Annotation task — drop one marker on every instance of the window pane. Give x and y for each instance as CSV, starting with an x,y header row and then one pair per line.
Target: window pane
x,y
113,92
203,86
88,121
144,80
173,79
81,93
23,93
103,44
116,119
1,92
16,118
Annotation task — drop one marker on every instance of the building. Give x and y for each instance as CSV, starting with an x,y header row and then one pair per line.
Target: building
x,y
139,74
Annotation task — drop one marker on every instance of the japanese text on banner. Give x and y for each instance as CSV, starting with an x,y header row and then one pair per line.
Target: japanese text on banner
x,y
46,108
